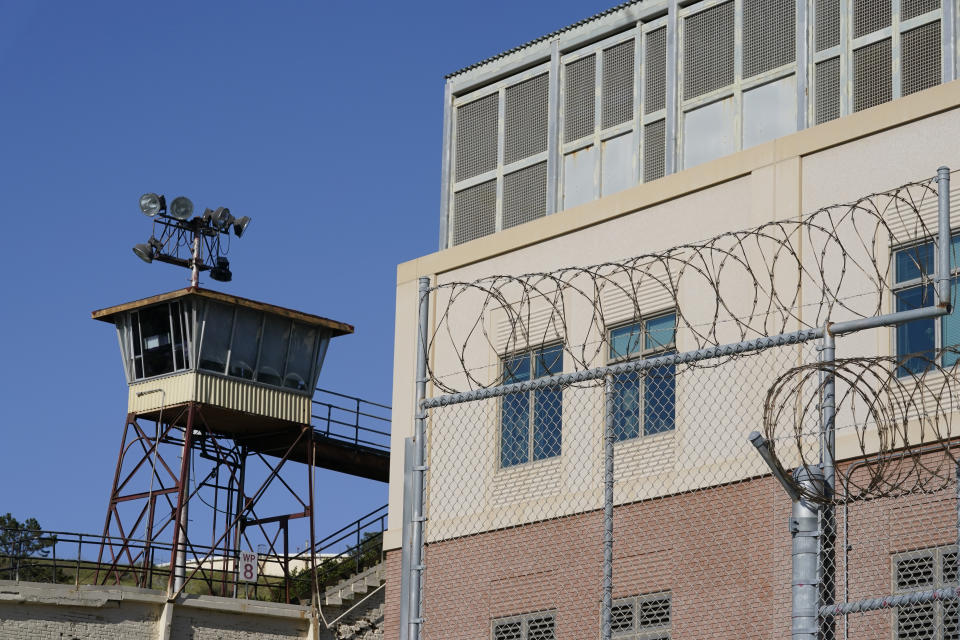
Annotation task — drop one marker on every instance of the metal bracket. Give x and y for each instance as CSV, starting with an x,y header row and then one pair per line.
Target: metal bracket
x,y
424,467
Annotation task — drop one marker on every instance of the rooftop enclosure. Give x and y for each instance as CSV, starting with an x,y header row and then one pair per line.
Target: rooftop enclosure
x,y
252,367
653,87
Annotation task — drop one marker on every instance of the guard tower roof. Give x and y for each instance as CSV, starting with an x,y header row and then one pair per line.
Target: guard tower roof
x,y
337,328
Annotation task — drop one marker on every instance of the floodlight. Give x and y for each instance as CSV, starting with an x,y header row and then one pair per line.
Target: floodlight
x,y
156,244
151,204
240,225
144,252
221,272
221,218
181,208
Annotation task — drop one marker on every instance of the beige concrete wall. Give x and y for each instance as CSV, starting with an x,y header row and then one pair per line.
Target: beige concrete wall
x,y
877,149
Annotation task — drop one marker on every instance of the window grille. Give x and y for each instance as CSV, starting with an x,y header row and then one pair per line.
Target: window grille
x,y
525,195
769,35
531,422
655,71
525,119
654,150
646,617
921,570
827,28
532,626
579,92
617,96
872,81
913,8
475,212
827,90
870,16
708,40
920,58
477,137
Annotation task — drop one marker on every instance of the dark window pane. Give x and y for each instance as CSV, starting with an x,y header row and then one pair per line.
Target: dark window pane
x,y
300,360
549,361
246,343
659,400
626,406
547,409
914,262
625,341
273,353
516,369
157,346
217,327
660,332
514,429
951,331
179,344
917,336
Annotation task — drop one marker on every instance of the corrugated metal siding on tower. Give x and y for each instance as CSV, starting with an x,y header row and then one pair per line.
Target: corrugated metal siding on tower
x,y
242,396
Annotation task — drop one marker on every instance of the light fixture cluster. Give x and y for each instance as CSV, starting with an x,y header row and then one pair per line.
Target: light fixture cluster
x,y
182,234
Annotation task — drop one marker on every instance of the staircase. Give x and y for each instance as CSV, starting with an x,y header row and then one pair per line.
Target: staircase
x,y
362,610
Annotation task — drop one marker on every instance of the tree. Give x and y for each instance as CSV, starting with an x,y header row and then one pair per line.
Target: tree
x,y
23,548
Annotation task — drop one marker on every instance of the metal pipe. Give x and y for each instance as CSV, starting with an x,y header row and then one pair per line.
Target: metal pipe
x,y
179,559
851,326
763,447
416,556
888,602
827,521
195,261
804,527
943,237
606,627
642,364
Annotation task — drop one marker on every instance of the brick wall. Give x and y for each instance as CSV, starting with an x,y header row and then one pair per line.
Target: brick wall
x,y
391,610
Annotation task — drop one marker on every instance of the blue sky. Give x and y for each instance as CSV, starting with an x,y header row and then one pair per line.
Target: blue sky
x,y
321,121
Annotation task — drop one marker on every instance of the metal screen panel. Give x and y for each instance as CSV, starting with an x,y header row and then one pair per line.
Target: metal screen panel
x,y
655,71
913,8
708,38
827,27
617,95
525,119
769,35
870,16
475,212
827,90
920,58
477,137
872,69
525,195
579,92
654,150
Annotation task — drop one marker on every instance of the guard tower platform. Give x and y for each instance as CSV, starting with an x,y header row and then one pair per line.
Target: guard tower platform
x,y
248,368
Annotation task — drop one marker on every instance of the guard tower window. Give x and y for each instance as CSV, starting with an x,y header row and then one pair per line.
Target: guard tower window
x,y
246,341
217,331
159,347
273,353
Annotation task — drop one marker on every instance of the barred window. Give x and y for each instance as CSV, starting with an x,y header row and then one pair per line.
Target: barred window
x,y
644,402
919,571
646,617
530,626
530,421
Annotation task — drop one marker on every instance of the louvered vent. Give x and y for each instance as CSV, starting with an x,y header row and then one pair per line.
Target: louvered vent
x,y
870,16
621,618
508,631
949,569
477,137
655,71
475,212
525,119
828,24
708,50
913,8
654,150
617,96
920,58
525,195
541,629
915,573
769,35
916,622
827,88
653,613
871,75
579,92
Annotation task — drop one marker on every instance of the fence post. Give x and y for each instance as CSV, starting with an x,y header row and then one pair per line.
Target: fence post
x,y
828,441
804,527
606,627
414,619
76,578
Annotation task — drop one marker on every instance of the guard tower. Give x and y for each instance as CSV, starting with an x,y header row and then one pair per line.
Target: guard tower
x,y
218,450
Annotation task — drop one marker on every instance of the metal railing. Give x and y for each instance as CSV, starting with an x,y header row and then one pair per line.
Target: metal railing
x,y
351,419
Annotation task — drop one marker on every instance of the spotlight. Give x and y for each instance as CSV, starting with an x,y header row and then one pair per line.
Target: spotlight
x,y
221,218
221,272
144,252
181,208
240,225
152,204
156,244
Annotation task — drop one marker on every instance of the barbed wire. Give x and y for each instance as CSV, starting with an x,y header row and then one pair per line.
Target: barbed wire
x,y
900,411
735,286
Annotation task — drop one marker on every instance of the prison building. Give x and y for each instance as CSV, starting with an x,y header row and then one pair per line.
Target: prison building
x,y
643,131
